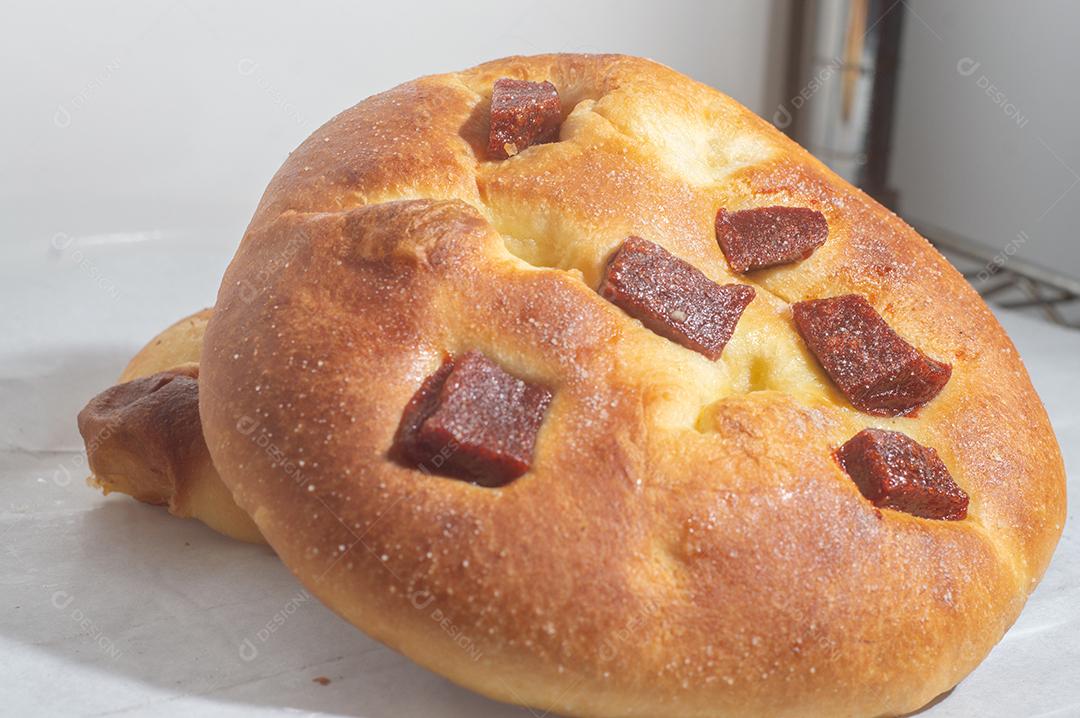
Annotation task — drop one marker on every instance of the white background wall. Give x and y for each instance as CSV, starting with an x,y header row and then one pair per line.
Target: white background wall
x,y
130,116
127,116
136,137
992,165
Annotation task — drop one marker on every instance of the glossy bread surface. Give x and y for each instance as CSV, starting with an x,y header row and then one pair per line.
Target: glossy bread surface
x,y
684,543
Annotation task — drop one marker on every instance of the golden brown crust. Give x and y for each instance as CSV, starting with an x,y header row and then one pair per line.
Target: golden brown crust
x,y
179,343
684,545
143,428
144,438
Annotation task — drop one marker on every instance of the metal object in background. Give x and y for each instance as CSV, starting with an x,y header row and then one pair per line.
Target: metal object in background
x,y
1009,281
842,85
841,81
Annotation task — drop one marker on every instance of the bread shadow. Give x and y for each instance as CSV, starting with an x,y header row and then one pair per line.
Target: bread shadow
x,y
123,589
941,697
112,591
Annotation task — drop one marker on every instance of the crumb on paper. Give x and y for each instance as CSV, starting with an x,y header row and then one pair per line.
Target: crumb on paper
x,y
321,680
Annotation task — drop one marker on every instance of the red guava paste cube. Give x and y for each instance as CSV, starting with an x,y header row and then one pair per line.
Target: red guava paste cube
x,y
673,298
767,236
523,113
472,420
875,368
894,471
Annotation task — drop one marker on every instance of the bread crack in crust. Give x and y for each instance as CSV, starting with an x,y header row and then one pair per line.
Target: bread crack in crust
x,y
684,542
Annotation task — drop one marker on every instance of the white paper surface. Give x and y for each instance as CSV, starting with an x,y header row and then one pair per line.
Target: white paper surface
x,y
108,606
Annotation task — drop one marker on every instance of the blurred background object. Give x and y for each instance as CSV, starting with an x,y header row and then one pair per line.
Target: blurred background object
x,y
953,115
136,119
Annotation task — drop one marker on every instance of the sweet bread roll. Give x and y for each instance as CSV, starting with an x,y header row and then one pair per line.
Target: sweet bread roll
x,y
579,384
179,343
143,436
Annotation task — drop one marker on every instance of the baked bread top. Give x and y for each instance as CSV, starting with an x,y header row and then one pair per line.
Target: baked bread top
x,y
684,539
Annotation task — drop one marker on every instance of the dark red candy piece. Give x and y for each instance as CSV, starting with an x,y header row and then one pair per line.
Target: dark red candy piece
x,y
896,472
673,298
767,236
420,407
873,366
523,113
472,420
